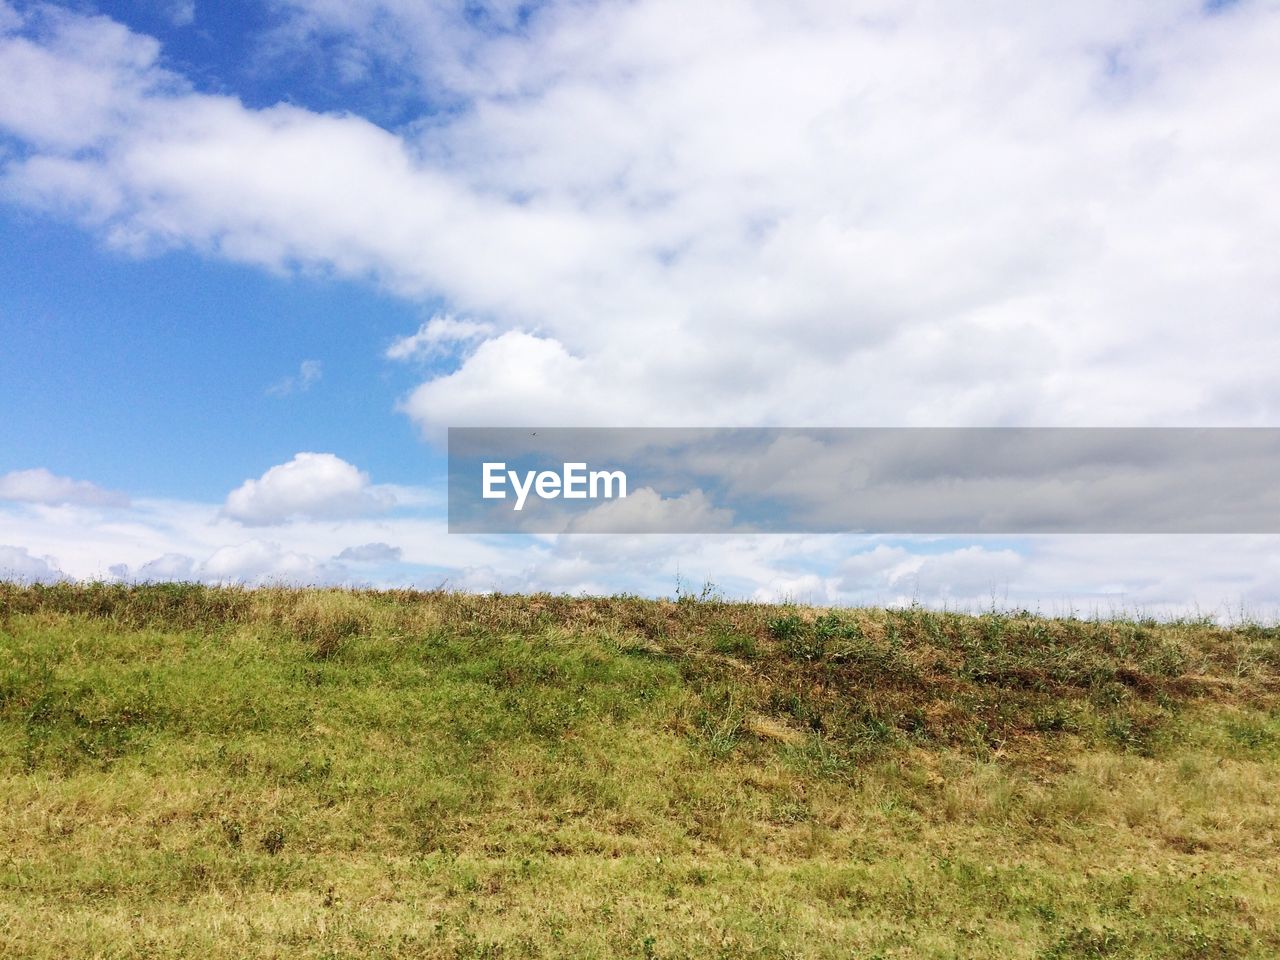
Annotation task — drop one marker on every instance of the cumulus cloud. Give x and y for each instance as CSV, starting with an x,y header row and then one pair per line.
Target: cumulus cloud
x,y
41,486
970,574
1228,576
371,553
807,588
514,378
809,213
248,563
170,567
257,562
311,486
647,511
263,562
17,563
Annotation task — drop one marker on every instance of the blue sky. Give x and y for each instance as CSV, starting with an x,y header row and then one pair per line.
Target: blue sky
x,y
258,256
161,366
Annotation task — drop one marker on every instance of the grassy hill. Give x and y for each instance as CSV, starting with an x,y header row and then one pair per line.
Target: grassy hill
x,y
197,772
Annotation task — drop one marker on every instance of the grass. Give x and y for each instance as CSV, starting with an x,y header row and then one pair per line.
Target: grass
x,y
193,771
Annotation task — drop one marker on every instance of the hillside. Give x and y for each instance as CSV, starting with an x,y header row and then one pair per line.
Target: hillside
x,y
219,773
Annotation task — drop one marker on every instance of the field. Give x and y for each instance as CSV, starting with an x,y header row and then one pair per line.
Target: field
x,y
215,773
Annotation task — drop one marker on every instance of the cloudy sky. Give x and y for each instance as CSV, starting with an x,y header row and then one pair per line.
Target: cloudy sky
x,y
258,256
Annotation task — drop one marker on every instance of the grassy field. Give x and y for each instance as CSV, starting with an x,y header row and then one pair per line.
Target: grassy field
x,y
199,772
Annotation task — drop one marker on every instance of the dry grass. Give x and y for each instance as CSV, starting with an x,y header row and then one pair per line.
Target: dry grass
x,y
277,773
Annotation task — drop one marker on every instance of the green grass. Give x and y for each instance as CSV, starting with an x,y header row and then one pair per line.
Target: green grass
x,y
198,772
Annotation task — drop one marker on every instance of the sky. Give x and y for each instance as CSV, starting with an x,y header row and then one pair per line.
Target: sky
x,y
255,258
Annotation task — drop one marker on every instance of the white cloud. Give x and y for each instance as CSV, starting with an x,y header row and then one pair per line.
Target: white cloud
x,y
309,374
182,13
250,563
646,511
161,540
442,335
371,553
971,574
437,38
810,213
814,213
806,588
100,68
171,566
41,486
17,563
512,379
311,485
263,562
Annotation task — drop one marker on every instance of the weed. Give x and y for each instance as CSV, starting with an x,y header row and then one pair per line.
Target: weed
x,y
273,841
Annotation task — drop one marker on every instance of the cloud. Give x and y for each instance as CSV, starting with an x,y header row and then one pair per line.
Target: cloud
x,y
100,66
802,214
970,574
807,588
181,13
264,562
171,566
434,41
309,373
813,213
311,485
440,336
1224,575
17,563
249,563
41,486
515,378
646,511
371,553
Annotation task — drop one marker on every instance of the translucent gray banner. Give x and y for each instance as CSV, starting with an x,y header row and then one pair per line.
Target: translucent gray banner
x,y
869,480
